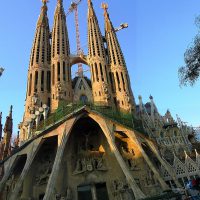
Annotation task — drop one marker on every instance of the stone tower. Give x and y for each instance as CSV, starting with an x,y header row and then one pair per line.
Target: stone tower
x,y
97,61
39,75
8,128
120,80
60,59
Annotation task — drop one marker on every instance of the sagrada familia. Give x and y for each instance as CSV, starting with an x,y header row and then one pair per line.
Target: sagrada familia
x,y
87,139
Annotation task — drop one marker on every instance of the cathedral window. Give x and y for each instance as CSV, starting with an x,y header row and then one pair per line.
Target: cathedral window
x,y
123,81
63,41
64,74
83,99
38,48
42,81
96,70
43,46
106,73
48,81
30,85
53,75
58,38
111,81
36,81
33,51
92,69
54,38
58,71
69,74
101,70
118,81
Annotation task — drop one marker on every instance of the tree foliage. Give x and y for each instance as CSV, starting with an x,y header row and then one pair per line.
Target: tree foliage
x,y
189,73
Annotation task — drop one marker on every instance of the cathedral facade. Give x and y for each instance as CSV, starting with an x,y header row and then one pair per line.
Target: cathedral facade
x,y
86,139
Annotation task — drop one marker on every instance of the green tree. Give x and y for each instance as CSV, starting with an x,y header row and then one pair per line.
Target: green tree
x,y
189,73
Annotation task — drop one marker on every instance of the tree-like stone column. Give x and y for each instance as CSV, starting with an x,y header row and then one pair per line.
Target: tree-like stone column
x,y
62,141
108,133
30,157
164,163
134,138
8,172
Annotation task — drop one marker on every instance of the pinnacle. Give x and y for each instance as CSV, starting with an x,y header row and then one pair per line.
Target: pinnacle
x,y
10,114
45,1
104,6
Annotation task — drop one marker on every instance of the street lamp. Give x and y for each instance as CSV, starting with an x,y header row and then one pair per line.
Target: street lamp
x,y
41,111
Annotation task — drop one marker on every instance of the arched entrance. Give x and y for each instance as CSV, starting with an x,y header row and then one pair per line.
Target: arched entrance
x,y
90,169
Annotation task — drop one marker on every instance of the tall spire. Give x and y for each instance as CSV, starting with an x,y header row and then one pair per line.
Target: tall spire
x,y
97,61
8,129
119,74
60,59
38,87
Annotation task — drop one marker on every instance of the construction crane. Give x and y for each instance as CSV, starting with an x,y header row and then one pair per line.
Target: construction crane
x,y
1,71
74,8
122,26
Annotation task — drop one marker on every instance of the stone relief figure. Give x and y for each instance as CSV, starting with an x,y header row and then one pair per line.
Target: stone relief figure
x,y
44,171
150,178
67,196
90,156
89,165
59,91
99,164
128,155
105,91
121,190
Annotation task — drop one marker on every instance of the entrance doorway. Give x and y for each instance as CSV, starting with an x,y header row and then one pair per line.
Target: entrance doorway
x,y
93,192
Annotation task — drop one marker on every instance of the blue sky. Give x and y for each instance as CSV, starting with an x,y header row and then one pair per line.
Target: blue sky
x,y
153,45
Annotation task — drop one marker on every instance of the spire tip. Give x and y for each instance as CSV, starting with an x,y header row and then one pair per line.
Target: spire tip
x,y
45,1
104,6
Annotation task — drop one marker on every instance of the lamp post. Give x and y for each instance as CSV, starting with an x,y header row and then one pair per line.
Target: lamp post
x,y
29,124
36,114
41,111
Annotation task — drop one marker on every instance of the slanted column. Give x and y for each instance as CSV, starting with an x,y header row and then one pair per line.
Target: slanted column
x,y
62,141
8,170
134,139
164,164
108,133
30,157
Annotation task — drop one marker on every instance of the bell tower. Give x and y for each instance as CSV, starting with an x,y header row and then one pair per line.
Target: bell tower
x,y
60,59
39,76
118,74
97,61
